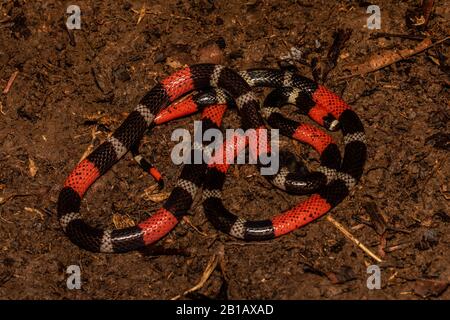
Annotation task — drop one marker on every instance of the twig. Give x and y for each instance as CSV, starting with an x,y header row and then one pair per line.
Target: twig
x,y
377,35
382,245
10,81
397,247
3,200
91,144
188,221
387,58
212,264
36,211
352,238
142,14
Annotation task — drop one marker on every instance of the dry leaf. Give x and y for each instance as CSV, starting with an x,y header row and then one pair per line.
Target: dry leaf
x,y
344,55
156,197
122,221
388,57
378,221
90,147
427,222
32,167
188,221
430,288
342,275
211,266
435,60
174,64
150,195
36,211
151,189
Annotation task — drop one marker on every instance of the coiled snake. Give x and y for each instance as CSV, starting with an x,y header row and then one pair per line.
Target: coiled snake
x,y
331,182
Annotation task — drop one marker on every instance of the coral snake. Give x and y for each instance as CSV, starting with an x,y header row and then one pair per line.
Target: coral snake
x,y
330,183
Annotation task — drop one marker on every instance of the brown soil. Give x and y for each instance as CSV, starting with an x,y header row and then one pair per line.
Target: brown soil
x,y
67,81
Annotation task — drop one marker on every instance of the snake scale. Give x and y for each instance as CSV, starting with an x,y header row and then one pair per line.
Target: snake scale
x,y
330,183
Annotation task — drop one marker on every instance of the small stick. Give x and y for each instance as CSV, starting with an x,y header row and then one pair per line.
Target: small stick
x,y
377,35
142,14
352,238
188,221
397,247
384,59
3,200
212,264
91,145
10,82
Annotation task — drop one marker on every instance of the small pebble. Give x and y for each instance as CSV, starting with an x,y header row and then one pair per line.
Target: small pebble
x,y
429,239
411,114
121,73
211,54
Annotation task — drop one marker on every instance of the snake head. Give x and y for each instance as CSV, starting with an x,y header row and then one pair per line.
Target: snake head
x,y
292,163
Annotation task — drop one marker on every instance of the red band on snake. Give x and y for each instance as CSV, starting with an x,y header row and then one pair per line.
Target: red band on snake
x,y
316,98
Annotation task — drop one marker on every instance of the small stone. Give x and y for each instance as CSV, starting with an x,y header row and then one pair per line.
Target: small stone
x,y
211,54
121,73
411,114
429,239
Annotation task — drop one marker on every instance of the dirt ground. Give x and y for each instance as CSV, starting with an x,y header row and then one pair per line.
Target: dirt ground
x,y
74,84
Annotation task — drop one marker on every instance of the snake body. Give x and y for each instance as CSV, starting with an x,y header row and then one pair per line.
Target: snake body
x,y
341,179
322,105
